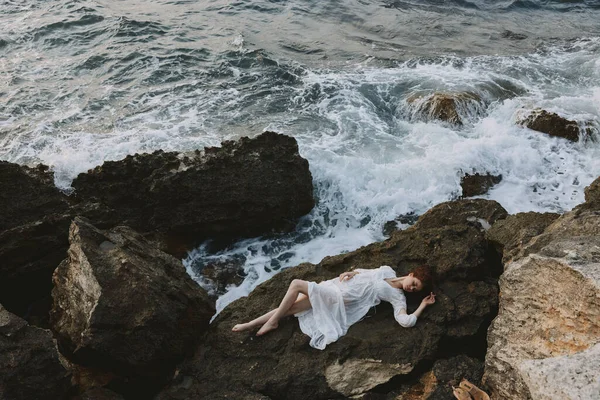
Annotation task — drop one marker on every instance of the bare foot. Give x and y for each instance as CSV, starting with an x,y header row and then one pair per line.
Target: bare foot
x,y
267,327
242,327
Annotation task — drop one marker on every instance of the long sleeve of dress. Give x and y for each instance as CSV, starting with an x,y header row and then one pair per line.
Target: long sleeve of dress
x,y
382,272
398,301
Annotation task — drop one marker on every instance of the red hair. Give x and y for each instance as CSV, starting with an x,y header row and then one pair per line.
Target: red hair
x,y
424,274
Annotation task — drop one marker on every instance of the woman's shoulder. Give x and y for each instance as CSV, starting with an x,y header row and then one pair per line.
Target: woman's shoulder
x,y
388,271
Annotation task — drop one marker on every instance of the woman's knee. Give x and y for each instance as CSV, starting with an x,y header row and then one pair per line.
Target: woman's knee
x,y
299,285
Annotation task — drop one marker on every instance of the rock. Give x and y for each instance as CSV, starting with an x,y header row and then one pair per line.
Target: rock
x,y
552,124
477,212
99,394
224,274
376,350
437,383
245,188
548,309
447,107
592,197
548,326
29,363
122,306
33,225
404,219
515,231
512,35
477,184
27,195
566,377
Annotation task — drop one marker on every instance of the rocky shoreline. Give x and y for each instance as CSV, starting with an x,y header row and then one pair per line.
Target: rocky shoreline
x,y
94,305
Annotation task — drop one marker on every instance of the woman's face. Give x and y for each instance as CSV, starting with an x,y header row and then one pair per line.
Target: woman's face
x,y
411,284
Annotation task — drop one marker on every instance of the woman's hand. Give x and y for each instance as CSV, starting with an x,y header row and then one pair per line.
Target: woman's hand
x,y
344,276
429,300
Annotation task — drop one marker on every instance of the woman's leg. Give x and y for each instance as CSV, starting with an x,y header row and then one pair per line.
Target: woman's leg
x,y
301,304
296,288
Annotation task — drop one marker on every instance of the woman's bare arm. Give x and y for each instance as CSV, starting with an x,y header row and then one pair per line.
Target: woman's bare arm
x,y
409,320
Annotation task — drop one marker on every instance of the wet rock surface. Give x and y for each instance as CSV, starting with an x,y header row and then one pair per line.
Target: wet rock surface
x,y
552,124
29,362
123,306
548,326
281,365
477,184
446,107
244,188
99,394
402,220
437,383
511,234
223,274
33,225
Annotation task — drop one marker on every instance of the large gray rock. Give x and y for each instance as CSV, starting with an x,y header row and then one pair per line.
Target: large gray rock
x,y
123,306
547,330
244,188
29,362
375,351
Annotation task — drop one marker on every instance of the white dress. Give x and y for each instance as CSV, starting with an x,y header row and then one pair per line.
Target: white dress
x,y
336,305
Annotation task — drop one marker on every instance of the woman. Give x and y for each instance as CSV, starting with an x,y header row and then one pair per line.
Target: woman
x,y
326,310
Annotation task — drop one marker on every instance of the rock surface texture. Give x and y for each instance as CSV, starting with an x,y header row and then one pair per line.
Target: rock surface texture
x,y
543,343
552,124
376,351
476,184
33,224
446,107
510,235
244,188
29,363
120,305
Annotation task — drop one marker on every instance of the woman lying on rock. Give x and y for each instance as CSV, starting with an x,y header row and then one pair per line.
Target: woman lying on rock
x,y
326,310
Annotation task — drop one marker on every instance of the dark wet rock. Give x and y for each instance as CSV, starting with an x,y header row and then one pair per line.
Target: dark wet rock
x,y
445,106
244,188
437,383
552,124
376,350
513,35
33,225
99,394
29,362
477,184
224,274
511,234
122,306
404,219
477,212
